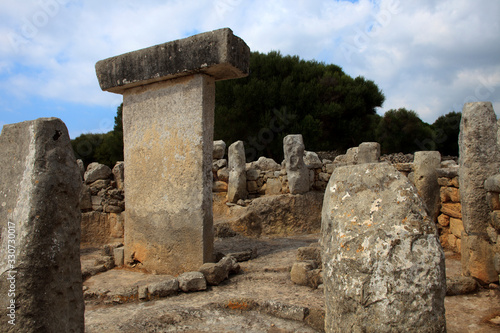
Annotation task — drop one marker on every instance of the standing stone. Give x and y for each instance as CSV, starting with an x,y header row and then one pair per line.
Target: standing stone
x,y
425,165
237,186
40,229
383,263
368,152
479,159
296,169
219,149
119,175
168,121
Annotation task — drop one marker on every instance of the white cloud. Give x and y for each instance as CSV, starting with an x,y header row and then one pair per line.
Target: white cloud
x,y
428,56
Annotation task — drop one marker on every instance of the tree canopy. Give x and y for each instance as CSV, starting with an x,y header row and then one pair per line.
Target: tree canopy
x,y
286,95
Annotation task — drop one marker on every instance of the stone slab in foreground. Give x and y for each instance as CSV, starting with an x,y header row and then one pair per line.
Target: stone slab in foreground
x,y
383,263
40,229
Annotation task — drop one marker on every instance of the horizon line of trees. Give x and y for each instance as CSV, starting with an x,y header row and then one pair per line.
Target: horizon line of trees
x,y
286,95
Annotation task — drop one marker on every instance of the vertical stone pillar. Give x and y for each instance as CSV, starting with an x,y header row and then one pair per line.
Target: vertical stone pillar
x,y
296,170
383,262
425,167
479,159
368,152
168,114
237,187
40,274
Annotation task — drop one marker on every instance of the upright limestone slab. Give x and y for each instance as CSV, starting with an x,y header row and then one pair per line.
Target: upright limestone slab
x,y
426,180
168,114
237,187
296,170
383,263
39,229
479,159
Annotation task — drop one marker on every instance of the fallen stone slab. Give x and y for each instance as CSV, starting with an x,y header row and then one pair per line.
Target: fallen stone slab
x,y
168,286
460,285
192,281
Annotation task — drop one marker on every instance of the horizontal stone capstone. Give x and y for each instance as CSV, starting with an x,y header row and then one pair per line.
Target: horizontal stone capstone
x,y
217,53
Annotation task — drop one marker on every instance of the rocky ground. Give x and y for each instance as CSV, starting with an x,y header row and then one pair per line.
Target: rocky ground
x,y
261,298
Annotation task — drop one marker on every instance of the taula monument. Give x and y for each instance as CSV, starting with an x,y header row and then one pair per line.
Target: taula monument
x,y
168,119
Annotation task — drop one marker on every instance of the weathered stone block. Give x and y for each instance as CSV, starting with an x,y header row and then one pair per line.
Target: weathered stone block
x,y
460,285
168,131
214,273
237,186
116,225
266,164
96,171
273,186
218,54
85,198
95,229
300,272
456,227
118,256
443,181
192,281
495,220
492,184
312,160
167,287
493,200
368,152
383,263
220,186
223,174
119,175
443,220
296,169
450,172
479,159
425,165
219,150
40,185
450,194
452,209
478,259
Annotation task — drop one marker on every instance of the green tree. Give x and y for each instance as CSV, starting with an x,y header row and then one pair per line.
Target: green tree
x,y
286,95
447,129
103,148
403,131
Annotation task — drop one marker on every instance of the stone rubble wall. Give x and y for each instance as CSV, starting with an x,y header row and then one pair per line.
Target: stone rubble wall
x,y
102,202
102,198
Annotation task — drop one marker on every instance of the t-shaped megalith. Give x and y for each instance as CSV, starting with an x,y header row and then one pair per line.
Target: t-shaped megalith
x,y
168,120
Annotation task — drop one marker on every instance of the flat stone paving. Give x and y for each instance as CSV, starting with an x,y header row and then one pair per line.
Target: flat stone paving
x,y
255,300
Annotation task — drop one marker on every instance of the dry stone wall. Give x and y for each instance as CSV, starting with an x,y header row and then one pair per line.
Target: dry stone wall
x,y
270,209
102,202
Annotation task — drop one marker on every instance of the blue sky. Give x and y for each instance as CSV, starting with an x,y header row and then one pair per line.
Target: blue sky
x,y
427,56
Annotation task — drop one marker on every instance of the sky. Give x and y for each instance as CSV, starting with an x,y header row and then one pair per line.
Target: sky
x,y
430,56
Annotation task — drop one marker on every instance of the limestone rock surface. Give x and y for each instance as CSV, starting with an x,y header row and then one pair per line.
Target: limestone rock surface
x,y
296,169
40,186
383,262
